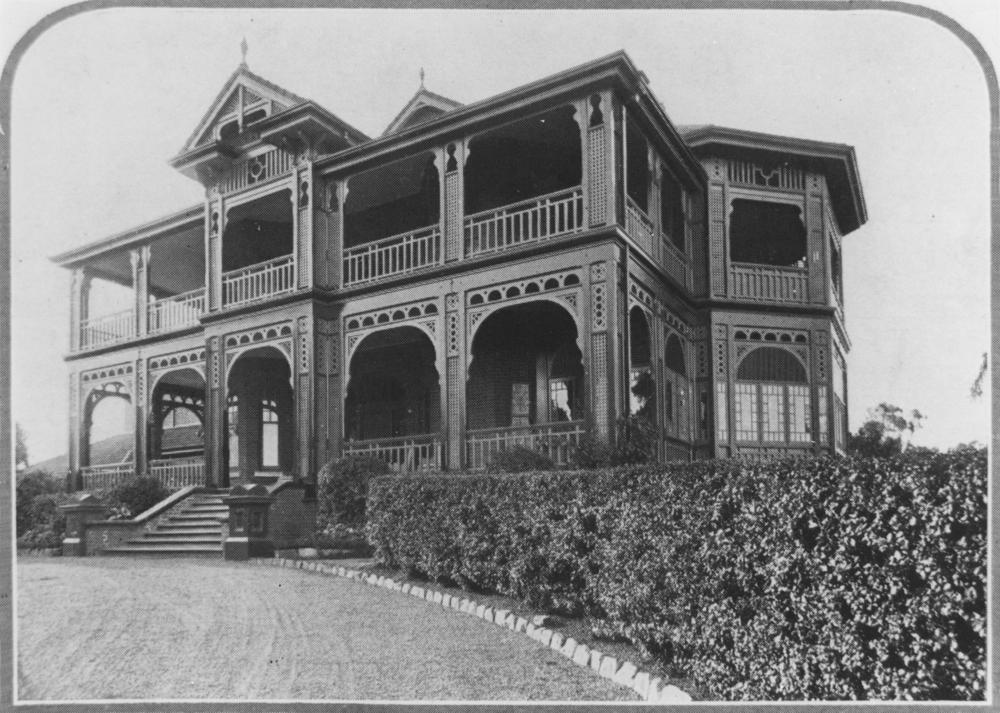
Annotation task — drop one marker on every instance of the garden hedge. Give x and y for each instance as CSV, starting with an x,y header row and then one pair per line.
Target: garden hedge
x,y
797,579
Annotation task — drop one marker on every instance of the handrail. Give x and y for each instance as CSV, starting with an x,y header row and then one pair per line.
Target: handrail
x,y
107,329
537,218
257,266
403,454
177,311
639,225
258,281
774,283
395,255
557,440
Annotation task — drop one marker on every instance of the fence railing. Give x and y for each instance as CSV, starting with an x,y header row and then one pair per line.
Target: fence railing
x,y
105,477
555,440
176,312
107,329
539,218
675,261
638,225
770,282
259,281
178,473
395,255
404,454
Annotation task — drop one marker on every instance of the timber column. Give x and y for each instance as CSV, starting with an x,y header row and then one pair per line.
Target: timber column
x,y
455,351
303,402
215,412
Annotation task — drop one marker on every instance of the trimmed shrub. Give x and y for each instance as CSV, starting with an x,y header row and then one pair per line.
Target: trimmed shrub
x,y
519,460
30,485
797,579
135,496
343,490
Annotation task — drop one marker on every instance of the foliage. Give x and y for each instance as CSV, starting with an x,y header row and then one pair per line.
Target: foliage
x,y
518,459
30,485
343,489
132,497
800,579
635,444
976,390
20,448
885,433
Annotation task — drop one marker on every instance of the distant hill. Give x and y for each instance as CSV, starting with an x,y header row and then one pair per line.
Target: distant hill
x,y
118,448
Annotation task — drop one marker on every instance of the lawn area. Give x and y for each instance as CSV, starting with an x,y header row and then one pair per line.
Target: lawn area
x,y
108,628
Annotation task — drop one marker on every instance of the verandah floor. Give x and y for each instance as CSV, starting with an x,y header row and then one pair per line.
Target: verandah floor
x,y
107,628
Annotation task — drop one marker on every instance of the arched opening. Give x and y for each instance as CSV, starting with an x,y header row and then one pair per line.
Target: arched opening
x,y
393,403
676,388
526,159
177,416
260,416
772,397
642,386
108,427
767,233
525,383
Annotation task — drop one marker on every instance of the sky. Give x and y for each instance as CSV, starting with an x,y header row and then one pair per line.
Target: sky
x,y
103,100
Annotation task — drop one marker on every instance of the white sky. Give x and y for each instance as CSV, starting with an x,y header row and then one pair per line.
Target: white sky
x,y
104,99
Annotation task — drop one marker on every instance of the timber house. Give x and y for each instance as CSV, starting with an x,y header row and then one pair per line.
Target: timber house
x,y
522,270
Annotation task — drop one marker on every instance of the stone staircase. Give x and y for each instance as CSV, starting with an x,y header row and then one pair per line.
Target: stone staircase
x,y
192,528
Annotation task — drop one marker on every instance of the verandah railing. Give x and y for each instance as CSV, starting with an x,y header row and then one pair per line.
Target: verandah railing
x,y
638,225
105,477
259,281
538,218
675,261
395,255
175,312
770,282
107,329
176,473
556,440
404,454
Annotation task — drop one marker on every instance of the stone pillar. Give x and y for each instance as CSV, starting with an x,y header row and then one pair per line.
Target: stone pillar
x,y
78,514
249,532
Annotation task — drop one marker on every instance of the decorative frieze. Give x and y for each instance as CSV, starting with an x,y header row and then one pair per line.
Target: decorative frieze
x,y
390,315
260,334
117,371
166,361
753,334
519,288
598,307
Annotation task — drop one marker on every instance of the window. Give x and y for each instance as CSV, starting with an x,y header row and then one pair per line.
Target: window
x,y
767,233
772,398
561,399
232,419
269,435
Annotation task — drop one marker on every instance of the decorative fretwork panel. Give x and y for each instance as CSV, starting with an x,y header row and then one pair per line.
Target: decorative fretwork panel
x,y
717,240
824,428
257,170
597,172
599,366
169,361
390,315
781,176
598,307
722,411
755,334
260,334
453,216
454,377
519,288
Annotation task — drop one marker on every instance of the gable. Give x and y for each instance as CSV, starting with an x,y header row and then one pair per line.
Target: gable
x,y
424,106
244,98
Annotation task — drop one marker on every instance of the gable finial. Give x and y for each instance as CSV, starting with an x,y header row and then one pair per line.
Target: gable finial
x,y
421,77
243,49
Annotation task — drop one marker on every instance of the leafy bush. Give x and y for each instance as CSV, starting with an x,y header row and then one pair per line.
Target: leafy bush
x,y
519,460
635,444
132,497
343,490
797,579
48,522
30,485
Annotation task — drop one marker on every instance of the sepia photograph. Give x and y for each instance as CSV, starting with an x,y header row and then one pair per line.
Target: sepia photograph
x,y
613,356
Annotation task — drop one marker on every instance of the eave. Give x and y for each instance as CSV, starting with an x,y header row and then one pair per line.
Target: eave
x,y
183,219
836,161
205,162
307,124
615,69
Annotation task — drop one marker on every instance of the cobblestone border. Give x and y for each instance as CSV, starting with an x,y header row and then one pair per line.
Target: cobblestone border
x,y
652,689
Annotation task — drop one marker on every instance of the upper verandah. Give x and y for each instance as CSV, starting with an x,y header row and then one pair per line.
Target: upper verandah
x,y
288,118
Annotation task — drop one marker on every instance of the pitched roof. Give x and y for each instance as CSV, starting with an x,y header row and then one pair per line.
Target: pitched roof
x,y
422,98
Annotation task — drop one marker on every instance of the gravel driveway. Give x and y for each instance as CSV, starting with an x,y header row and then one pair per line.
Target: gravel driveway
x,y
101,628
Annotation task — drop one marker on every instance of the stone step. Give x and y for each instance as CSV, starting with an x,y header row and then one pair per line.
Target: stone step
x,y
179,531
203,511
170,541
176,550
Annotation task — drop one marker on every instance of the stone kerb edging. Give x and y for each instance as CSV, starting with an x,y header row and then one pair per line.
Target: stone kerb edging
x,y
651,688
